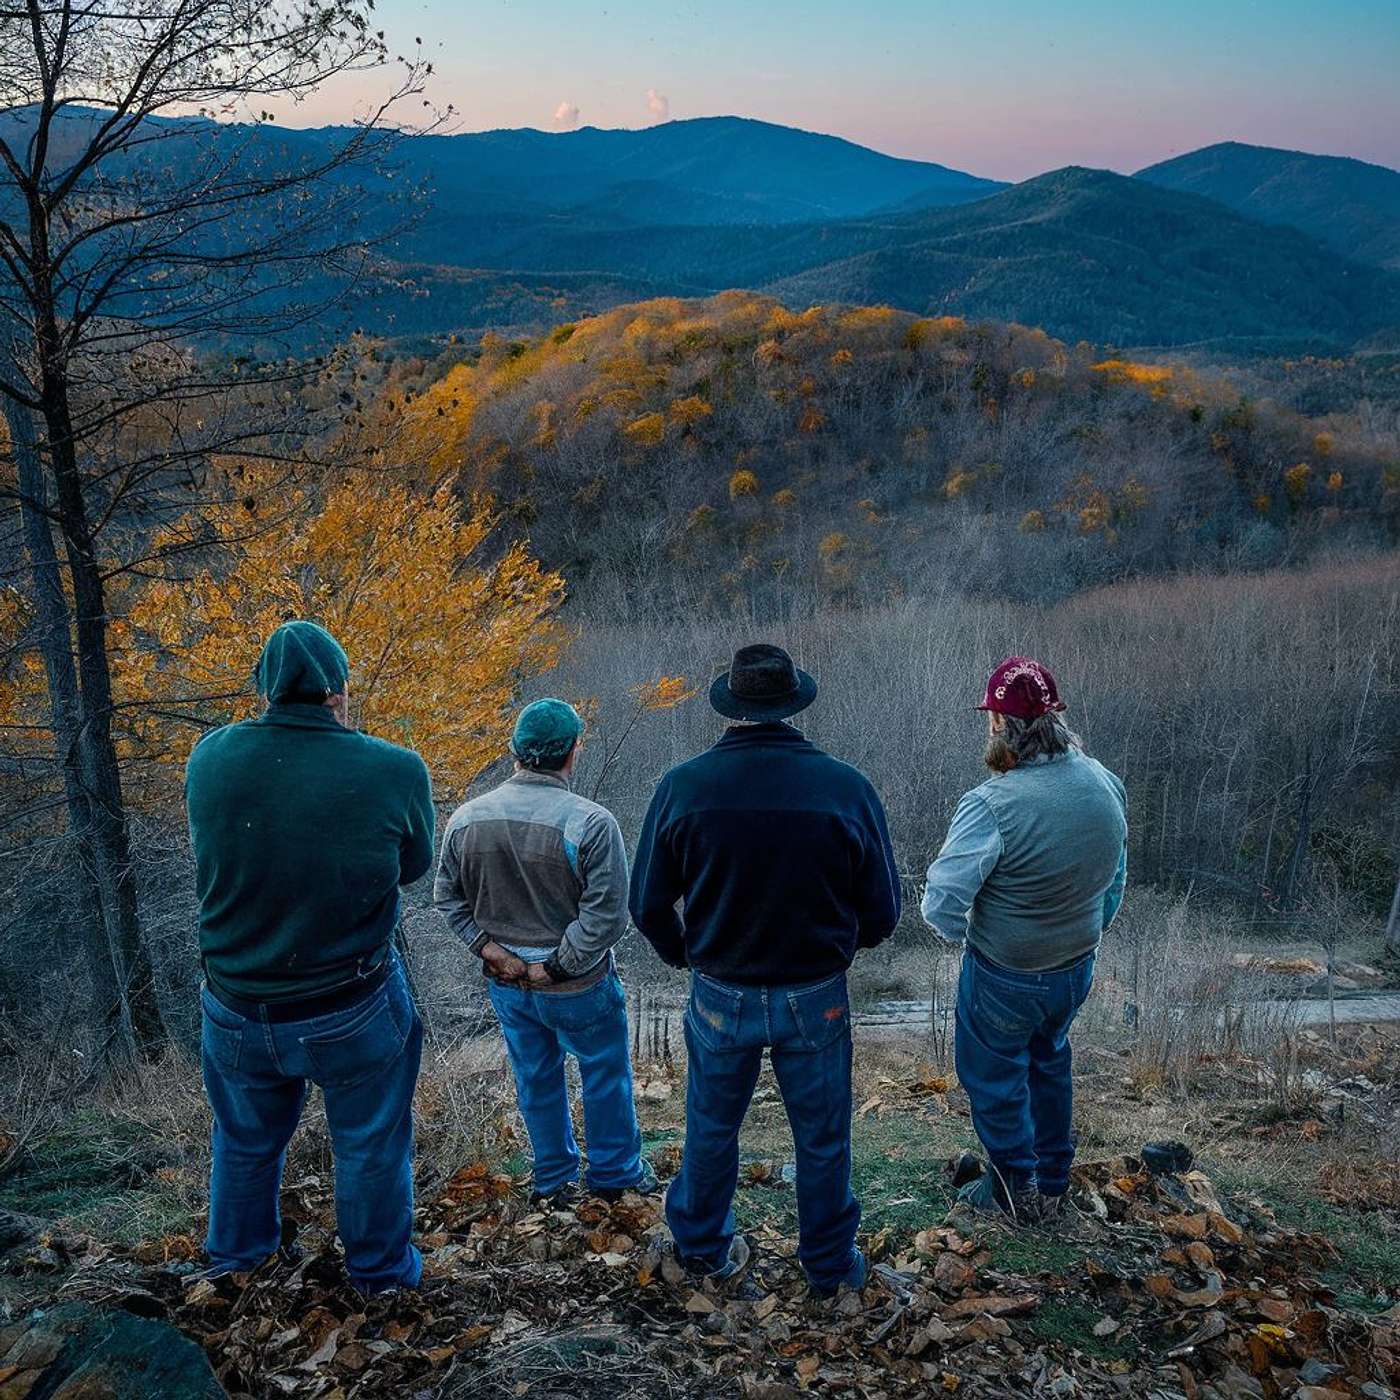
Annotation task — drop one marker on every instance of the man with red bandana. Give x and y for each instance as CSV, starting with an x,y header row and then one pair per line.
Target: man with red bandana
x,y
1031,875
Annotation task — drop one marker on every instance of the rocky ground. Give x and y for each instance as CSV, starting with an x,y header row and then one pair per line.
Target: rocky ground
x,y
1272,1268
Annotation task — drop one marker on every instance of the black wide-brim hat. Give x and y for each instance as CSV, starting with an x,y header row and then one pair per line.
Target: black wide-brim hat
x,y
762,683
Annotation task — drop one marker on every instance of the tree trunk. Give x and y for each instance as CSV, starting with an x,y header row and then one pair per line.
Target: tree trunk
x,y
1392,924
1298,857
51,608
111,847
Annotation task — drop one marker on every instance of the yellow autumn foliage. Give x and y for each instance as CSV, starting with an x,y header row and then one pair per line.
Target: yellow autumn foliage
x,y
1155,377
664,693
647,431
743,483
929,328
690,410
867,317
437,643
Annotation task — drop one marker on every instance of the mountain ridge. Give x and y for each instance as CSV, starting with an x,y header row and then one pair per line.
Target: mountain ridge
x,y
1352,206
519,221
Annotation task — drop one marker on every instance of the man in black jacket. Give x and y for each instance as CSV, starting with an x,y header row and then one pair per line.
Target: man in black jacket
x,y
781,859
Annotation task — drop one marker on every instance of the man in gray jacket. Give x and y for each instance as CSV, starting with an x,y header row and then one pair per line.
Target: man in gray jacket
x,y
1030,876
533,879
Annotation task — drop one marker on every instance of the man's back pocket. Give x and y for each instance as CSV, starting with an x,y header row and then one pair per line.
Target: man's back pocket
x,y
364,1041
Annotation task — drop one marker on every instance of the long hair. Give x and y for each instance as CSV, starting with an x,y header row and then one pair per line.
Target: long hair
x,y
1017,740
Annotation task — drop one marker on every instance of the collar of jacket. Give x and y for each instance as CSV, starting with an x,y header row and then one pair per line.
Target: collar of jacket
x,y
527,775
771,733
288,714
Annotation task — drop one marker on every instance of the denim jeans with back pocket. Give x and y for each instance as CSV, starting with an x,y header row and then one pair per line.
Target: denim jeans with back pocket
x,y
1014,1060
540,1028
807,1032
365,1058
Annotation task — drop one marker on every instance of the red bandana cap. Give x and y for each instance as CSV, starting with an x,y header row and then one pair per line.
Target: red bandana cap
x,y
1021,688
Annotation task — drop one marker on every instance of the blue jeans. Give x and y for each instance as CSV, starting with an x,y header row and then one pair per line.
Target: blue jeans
x,y
365,1058
807,1030
540,1028
1014,1059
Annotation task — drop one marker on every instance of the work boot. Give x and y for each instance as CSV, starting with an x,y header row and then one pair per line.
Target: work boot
x,y
853,1282
564,1197
965,1167
729,1278
990,1194
647,1186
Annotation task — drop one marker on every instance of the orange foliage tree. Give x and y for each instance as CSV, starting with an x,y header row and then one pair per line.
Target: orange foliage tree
x,y
439,638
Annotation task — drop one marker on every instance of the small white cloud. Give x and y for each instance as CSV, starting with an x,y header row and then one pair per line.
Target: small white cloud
x,y
658,105
566,116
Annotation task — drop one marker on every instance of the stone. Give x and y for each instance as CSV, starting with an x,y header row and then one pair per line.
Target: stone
x,y
80,1352
952,1273
1315,1372
1164,1158
1339,984
18,1230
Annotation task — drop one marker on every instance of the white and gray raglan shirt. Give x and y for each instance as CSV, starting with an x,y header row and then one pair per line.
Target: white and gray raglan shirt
x,y
533,866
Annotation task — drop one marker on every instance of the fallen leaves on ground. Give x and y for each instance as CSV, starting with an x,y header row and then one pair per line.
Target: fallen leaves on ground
x,y
923,1085
1174,1294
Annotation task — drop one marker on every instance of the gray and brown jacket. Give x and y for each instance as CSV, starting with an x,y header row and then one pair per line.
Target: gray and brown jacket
x,y
531,864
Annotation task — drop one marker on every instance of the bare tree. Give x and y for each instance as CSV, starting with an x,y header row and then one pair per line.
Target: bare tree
x,y
1392,923
148,216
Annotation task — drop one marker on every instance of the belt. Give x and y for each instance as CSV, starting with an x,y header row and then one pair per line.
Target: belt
x,y
304,1008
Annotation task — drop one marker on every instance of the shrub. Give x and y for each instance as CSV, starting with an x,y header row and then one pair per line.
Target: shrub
x,y
649,430
742,483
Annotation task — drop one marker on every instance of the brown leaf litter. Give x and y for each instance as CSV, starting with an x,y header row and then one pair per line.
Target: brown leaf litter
x,y
1174,1295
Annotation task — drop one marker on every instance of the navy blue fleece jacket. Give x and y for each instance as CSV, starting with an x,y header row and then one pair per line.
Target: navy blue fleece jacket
x,y
779,855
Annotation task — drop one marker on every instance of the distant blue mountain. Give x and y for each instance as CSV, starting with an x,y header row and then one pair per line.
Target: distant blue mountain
x,y
723,170
1348,204
515,229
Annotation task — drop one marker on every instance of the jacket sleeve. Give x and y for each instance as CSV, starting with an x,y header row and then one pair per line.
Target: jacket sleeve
x,y
416,846
602,906
450,897
656,885
1113,896
878,897
970,853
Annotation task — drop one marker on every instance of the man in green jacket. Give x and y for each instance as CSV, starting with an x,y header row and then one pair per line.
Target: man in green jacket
x,y
303,831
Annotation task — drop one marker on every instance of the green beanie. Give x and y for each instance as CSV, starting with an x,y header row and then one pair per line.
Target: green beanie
x,y
301,662
545,733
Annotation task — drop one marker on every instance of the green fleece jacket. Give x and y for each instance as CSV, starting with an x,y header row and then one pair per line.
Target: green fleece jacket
x,y
303,831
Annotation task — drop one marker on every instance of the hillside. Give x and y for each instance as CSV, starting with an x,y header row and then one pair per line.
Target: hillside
x,y
746,172
517,230
1351,206
734,451
1084,254
1088,254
